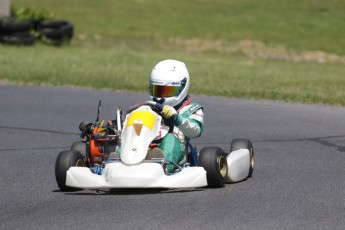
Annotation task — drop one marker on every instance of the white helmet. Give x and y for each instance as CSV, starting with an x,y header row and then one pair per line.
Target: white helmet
x,y
169,82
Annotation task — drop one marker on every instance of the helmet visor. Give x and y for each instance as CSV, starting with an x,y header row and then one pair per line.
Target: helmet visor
x,y
164,90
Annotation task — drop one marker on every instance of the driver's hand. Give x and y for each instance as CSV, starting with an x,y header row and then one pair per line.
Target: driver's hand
x,y
169,112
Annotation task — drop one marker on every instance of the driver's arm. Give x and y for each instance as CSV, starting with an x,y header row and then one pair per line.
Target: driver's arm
x,y
191,126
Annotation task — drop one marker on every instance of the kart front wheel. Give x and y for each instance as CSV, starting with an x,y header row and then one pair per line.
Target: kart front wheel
x,y
64,161
213,160
244,144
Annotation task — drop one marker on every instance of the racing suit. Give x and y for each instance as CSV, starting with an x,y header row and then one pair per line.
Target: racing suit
x,y
189,124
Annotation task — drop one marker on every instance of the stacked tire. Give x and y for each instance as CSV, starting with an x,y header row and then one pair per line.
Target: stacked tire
x,y
25,32
13,31
56,32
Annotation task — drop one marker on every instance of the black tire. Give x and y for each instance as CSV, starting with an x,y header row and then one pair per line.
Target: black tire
x,y
68,30
60,30
65,32
53,24
81,147
64,161
51,33
213,159
13,25
18,40
17,34
55,32
237,144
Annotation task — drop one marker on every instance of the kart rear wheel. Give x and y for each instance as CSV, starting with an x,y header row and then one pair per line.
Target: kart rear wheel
x,y
237,144
213,159
79,146
64,161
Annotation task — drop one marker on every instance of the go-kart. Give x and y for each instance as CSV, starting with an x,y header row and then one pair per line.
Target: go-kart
x,y
114,155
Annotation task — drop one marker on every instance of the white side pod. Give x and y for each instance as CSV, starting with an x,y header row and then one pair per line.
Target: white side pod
x,y
238,165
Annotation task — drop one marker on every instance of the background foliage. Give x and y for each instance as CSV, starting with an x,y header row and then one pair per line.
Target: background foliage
x,y
269,49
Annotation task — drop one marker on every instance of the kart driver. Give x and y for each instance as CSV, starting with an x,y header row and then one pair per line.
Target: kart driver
x,y
169,85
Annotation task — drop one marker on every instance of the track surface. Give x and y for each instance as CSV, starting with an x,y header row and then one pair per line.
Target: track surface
x,y
298,180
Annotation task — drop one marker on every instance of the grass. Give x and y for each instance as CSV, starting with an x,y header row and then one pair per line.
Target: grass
x,y
247,49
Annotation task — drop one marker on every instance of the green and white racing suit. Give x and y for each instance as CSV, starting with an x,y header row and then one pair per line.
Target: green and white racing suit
x,y
189,124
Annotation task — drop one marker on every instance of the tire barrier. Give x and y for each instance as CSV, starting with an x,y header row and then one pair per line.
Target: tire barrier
x,y
26,32
55,32
16,32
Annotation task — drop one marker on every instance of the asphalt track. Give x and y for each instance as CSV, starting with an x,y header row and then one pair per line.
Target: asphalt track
x,y
298,180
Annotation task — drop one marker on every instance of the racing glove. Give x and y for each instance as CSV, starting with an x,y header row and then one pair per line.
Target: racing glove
x,y
169,112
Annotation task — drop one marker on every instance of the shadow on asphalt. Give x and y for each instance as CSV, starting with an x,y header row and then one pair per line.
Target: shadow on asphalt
x,y
127,191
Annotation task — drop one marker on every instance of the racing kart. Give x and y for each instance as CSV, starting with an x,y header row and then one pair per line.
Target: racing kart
x,y
114,155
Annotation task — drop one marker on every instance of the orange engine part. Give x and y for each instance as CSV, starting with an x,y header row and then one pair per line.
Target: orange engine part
x,y
96,157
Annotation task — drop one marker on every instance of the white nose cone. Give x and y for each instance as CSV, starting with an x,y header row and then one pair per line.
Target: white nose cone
x,y
140,128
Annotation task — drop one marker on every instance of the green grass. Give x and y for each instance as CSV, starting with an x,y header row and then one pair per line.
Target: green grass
x,y
118,42
302,25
